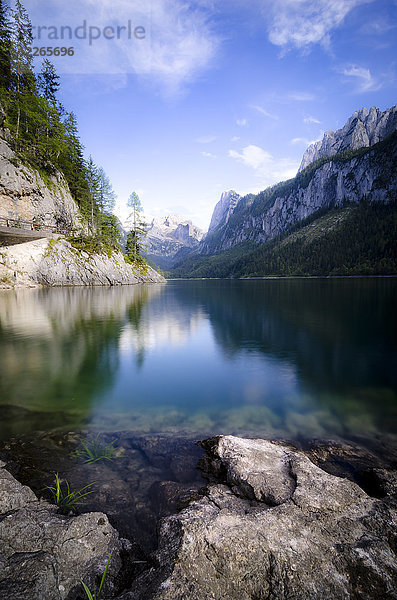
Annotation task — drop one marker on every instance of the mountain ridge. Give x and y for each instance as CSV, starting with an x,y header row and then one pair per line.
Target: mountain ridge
x,y
363,129
354,176
170,238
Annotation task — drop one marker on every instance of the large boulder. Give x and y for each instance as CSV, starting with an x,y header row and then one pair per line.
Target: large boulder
x,y
275,526
45,555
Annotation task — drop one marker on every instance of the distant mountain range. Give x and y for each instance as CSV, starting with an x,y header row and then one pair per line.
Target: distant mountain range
x,y
347,182
170,239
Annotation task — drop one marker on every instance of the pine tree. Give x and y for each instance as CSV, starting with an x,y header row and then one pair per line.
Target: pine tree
x,y
106,195
138,227
93,179
49,81
5,48
21,61
48,84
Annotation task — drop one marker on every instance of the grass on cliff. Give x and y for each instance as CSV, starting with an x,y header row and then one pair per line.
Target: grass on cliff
x,y
92,245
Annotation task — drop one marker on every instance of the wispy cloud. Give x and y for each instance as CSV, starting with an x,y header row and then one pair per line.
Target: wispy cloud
x,y
208,155
300,23
264,112
303,141
310,119
178,44
363,78
378,26
241,122
302,96
206,139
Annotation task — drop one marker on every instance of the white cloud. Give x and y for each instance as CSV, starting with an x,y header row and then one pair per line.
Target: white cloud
x,y
304,141
300,23
179,41
206,139
252,156
366,82
242,122
310,119
302,96
235,138
267,169
300,140
208,154
264,112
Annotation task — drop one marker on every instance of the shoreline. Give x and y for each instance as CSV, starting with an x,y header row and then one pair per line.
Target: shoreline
x,y
270,277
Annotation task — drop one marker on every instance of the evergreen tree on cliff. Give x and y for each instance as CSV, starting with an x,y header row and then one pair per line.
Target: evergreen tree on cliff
x,y
5,50
24,84
138,227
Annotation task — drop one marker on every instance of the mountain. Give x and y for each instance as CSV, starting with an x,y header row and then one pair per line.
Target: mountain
x,y
364,128
223,209
169,239
353,167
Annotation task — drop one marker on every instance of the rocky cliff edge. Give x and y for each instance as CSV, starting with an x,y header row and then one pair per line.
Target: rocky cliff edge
x,y
56,262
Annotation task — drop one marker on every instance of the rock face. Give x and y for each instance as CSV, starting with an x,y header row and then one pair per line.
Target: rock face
x,y
367,173
24,194
276,527
55,262
170,239
364,128
44,555
223,209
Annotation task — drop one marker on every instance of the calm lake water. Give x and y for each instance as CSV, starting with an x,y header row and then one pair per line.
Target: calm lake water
x,y
278,358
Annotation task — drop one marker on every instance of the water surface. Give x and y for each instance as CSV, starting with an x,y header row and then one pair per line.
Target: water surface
x,y
275,358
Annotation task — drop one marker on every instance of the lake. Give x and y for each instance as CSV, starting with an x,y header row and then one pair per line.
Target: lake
x,y
292,358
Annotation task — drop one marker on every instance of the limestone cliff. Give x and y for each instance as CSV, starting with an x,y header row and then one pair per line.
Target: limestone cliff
x,y
348,171
57,263
25,195
364,128
223,209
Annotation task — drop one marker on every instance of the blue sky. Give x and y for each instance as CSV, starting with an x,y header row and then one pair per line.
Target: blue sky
x,y
212,95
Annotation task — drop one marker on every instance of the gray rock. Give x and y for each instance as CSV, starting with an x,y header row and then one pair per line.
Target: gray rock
x,y
57,263
43,555
24,194
170,237
364,128
293,531
223,209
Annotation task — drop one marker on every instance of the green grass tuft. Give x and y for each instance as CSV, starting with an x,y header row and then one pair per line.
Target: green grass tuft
x,y
67,498
97,594
95,451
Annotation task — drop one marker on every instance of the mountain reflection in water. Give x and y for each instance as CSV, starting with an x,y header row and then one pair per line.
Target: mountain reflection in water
x,y
280,358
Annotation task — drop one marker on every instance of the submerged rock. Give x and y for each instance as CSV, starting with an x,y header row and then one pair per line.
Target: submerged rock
x,y
274,526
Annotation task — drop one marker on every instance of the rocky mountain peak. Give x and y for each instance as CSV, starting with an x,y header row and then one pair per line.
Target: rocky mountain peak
x,y
364,128
224,209
168,237
175,227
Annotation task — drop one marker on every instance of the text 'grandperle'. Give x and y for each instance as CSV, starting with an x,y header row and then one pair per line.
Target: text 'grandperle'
x,y
89,32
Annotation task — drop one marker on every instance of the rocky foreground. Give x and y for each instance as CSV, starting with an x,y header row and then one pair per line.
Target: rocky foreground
x,y
270,524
